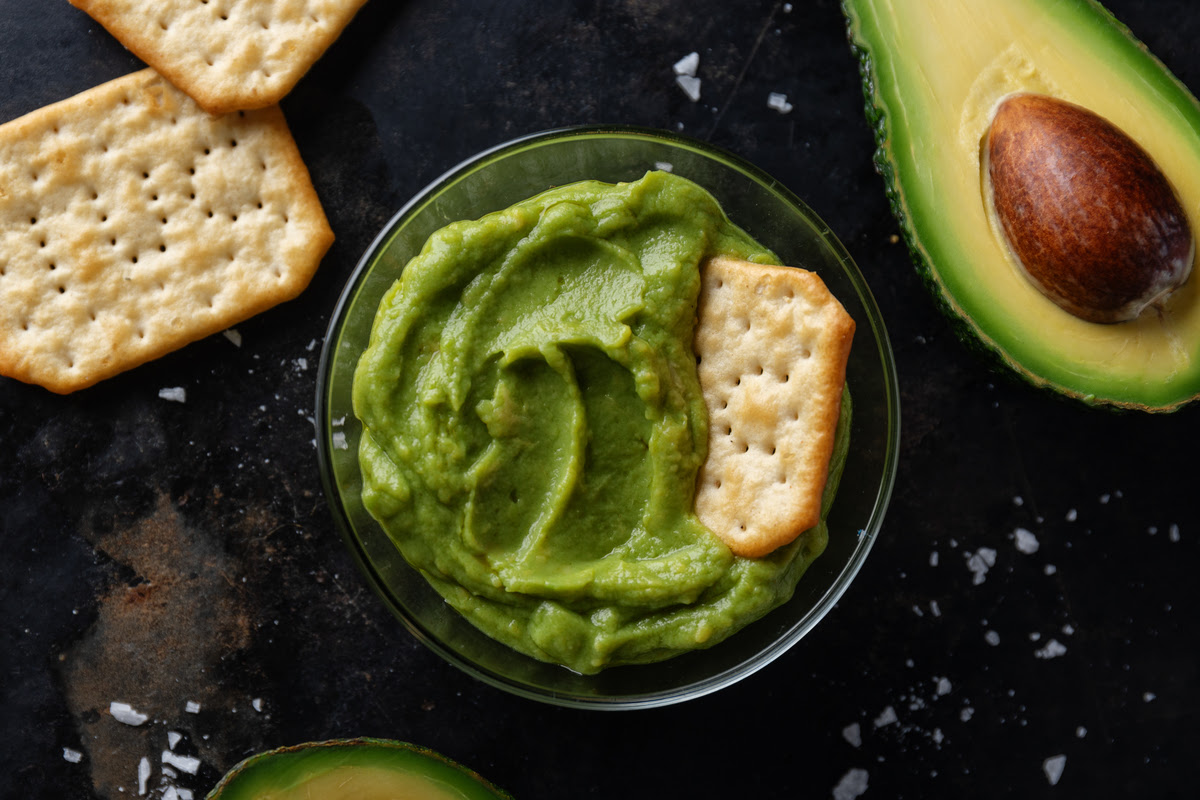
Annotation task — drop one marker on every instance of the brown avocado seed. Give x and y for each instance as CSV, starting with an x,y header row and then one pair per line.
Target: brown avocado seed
x,y
1090,217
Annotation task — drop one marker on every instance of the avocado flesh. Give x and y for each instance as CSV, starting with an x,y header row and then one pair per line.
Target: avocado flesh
x,y
355,769
933,71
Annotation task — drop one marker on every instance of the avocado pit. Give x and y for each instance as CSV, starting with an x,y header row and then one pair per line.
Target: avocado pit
x,y
1086,212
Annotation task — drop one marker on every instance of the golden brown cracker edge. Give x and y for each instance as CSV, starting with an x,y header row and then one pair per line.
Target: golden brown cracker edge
x,y
226,56
135,223
772,344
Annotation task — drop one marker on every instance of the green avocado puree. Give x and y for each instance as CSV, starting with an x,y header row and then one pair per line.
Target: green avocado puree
x,y
533,426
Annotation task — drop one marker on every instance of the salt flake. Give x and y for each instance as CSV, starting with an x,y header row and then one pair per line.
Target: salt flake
x,y
690,85
1027,543
143,774
778,102
73,756
123,712
886,717
176,394
980,562
852,733
853,784
188,764
1053,649
1053,767
192,707
688,64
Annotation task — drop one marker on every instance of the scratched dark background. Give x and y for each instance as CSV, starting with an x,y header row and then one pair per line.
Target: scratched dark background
x,y
158,553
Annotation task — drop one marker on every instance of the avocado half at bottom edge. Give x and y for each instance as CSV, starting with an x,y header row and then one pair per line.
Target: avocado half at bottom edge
x,y
933,71
353,769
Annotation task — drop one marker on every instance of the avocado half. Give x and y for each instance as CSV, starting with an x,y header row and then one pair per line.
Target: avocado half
x,y
933,71
353,769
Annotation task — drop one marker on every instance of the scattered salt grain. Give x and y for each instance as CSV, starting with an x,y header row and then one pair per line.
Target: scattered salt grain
x,y
787,8
933,558
690,85
853,784
886,717
688,64
934,608
966,714
1053,767
1173,532
1072,515
123,712
312,345
778,102
992,638
1027,543
192,707
175,394
73,756
257,703
187,764
1148,697
1049,569
300,364
1018,501
1053,649
852,733
339,441
173,739
1081,731
1104,498
943,686
143,774
170,794
980,562
233,336
664,166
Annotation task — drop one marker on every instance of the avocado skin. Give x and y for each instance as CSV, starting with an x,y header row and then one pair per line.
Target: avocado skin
x,y
966,329
284,767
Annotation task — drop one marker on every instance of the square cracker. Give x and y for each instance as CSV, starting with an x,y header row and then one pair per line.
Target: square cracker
x,y
132,222
772,344
228,55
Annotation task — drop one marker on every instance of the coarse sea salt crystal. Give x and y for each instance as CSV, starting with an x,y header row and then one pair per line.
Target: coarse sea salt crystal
x,y
192,707
176,394
143,774
992,638
1053,649
123,712
853,784
943,686
690,85
688,64
778,102
1053,767
173,738
886,717
257,703
73,756
1027,543
339,441
852,733
980,562
188,764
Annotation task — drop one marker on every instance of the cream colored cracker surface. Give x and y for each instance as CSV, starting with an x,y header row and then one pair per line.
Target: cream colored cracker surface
x,y
772,344
133,222
227,54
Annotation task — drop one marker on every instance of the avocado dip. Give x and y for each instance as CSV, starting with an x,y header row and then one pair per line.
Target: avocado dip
x,y
533,426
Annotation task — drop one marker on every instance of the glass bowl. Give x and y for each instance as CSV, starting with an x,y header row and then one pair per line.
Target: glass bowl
x,y
497,178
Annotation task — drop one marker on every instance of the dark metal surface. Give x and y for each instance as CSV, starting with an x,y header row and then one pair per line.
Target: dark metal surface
x,y
158,553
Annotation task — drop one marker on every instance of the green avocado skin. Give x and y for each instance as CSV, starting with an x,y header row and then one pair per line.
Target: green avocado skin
x,y
277,772
890,107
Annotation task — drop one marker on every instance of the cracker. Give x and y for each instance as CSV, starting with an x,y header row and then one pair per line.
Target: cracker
x,y
227,55
772,344
133,222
